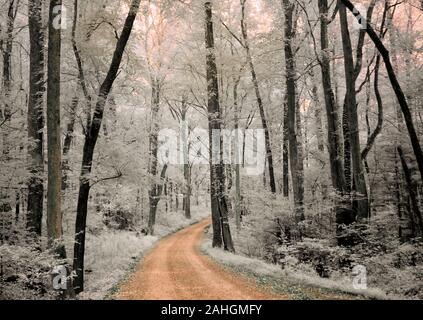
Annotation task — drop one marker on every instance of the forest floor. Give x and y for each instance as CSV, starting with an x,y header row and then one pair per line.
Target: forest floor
x,y
176,269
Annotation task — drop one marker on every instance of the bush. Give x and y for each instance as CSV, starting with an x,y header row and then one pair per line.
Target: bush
x,y
26,273
118,216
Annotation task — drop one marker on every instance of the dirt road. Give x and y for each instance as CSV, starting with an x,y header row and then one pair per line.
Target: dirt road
x,y
175,269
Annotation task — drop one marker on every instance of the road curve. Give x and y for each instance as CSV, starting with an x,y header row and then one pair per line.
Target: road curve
x,y
175,269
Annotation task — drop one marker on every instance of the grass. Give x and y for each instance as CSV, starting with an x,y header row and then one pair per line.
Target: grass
x,y
287,282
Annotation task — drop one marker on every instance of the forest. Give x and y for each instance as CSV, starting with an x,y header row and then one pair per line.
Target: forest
x,y
287,131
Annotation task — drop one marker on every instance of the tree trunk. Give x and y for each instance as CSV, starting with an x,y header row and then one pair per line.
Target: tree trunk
x,y
154,196
68,142
237,157
295,155
343,212
54,212
360,196
89,145
217,187
285,150
187,167
415,210
269,154
6,114
35,118
153,145
396,86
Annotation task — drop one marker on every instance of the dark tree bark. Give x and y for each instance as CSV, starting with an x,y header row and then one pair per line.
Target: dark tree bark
x,y
68,142
360,194
343,212
54,212
89,146
413,197
395,85
264,122
373,136
295,155
35,117
285,152
220,221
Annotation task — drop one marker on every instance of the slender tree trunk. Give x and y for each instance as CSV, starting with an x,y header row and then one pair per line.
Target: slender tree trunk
x,y
413,198
79,63
317,113
187,167
68,142
220,221
360,195
295,155
6,113
153,143
237,157
343,212
154,196
269,154
285,150
89,146
396,86
35,118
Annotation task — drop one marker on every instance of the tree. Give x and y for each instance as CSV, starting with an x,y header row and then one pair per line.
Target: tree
x,y
402,100
89,146
360,196
156,186
54,211
187,166
265,125
221,229
295,156
35,117
6,112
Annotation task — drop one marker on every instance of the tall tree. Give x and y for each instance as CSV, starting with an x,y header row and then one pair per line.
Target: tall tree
x,y
344,215
6,111
187,166
295,155
402,100
221,229
156,183
265,125
89,146
35,117
54,212
360,196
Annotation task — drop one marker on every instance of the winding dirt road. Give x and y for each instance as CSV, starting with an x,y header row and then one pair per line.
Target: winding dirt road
x,y
175,269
